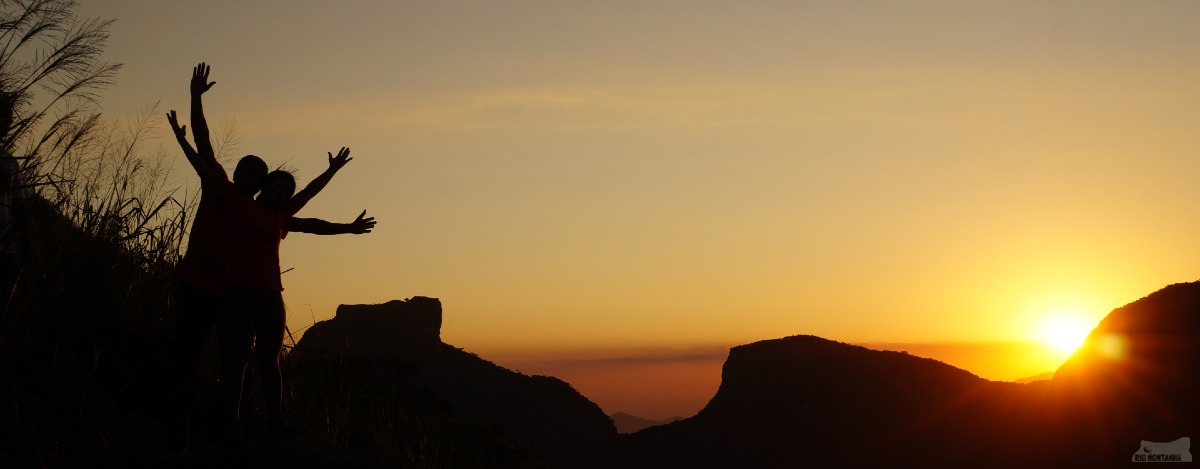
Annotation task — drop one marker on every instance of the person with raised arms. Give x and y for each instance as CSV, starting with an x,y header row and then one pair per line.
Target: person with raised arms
x,y
253,312
200,297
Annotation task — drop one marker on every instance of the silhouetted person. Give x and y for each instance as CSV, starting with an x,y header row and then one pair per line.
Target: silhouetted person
x,y
202,271
254,309
12,198
254,312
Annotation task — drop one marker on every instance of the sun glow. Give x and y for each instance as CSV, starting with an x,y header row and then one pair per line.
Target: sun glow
x,y
1063,331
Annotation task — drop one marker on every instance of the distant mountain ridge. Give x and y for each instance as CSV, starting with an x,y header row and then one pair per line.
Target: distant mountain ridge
x,y
1047,376
628,423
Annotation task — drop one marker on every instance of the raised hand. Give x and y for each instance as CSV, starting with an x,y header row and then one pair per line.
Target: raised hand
x,y
200,82
180,131
343,157
301,198
362,225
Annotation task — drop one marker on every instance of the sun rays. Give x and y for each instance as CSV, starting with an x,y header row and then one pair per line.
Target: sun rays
x,y
1063,331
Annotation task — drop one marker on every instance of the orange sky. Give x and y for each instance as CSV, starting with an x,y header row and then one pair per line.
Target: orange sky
x,y
622,176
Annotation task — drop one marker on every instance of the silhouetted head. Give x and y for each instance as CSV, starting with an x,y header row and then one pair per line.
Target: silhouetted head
x,y
278,187
249,174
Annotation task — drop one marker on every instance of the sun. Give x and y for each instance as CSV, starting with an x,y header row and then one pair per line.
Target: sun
x,y
1063,331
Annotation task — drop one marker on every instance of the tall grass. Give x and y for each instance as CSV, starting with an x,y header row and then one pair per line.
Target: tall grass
x,y
90,320
84,334
108,225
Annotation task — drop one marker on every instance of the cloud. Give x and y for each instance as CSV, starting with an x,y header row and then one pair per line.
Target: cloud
x,y
549,109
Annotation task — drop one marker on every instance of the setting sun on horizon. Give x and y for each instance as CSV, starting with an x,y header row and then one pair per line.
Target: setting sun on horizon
x,y
1064,331
618,193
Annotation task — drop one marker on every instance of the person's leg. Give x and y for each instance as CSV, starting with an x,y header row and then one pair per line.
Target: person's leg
x,y
235,329
268,330
196,312
246,411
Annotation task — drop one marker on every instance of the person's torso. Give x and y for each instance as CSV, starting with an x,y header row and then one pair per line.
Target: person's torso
x,y
205,263
254,232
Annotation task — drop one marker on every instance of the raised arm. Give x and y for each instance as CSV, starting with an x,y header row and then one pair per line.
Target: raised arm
x,y
200,134
301,198
360,225
207,173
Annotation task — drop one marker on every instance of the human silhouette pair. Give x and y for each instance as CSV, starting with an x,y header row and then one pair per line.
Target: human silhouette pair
x,y
230,275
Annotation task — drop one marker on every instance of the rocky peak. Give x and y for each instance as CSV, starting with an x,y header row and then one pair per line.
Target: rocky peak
x,y
419,316
395,327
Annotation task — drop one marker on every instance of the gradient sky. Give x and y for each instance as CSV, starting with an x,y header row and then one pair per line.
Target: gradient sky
x,y
571,176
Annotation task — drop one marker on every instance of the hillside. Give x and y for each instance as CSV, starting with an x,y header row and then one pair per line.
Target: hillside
x,y
1137,377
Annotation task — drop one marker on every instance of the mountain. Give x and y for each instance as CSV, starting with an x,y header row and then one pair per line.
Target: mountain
x,y
1038,377
549,417
804,400
1137,377
820,402
627,423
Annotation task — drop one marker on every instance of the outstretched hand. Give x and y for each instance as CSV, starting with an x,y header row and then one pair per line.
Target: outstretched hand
x,y
362,225
200,82
343,157
180,131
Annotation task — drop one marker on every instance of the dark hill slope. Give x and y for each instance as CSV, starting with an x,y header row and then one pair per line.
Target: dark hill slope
x,y
1137,377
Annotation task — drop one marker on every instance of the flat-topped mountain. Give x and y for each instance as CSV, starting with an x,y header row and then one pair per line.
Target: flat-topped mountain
x,y
549,417
805,399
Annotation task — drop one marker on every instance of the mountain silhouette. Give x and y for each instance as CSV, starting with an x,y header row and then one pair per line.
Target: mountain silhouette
x,y
629,423
811,401
1038,377
804,399
1136,377
552,420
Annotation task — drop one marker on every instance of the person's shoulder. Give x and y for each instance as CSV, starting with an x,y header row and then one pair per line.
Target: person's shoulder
x,y
224,186
216,183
